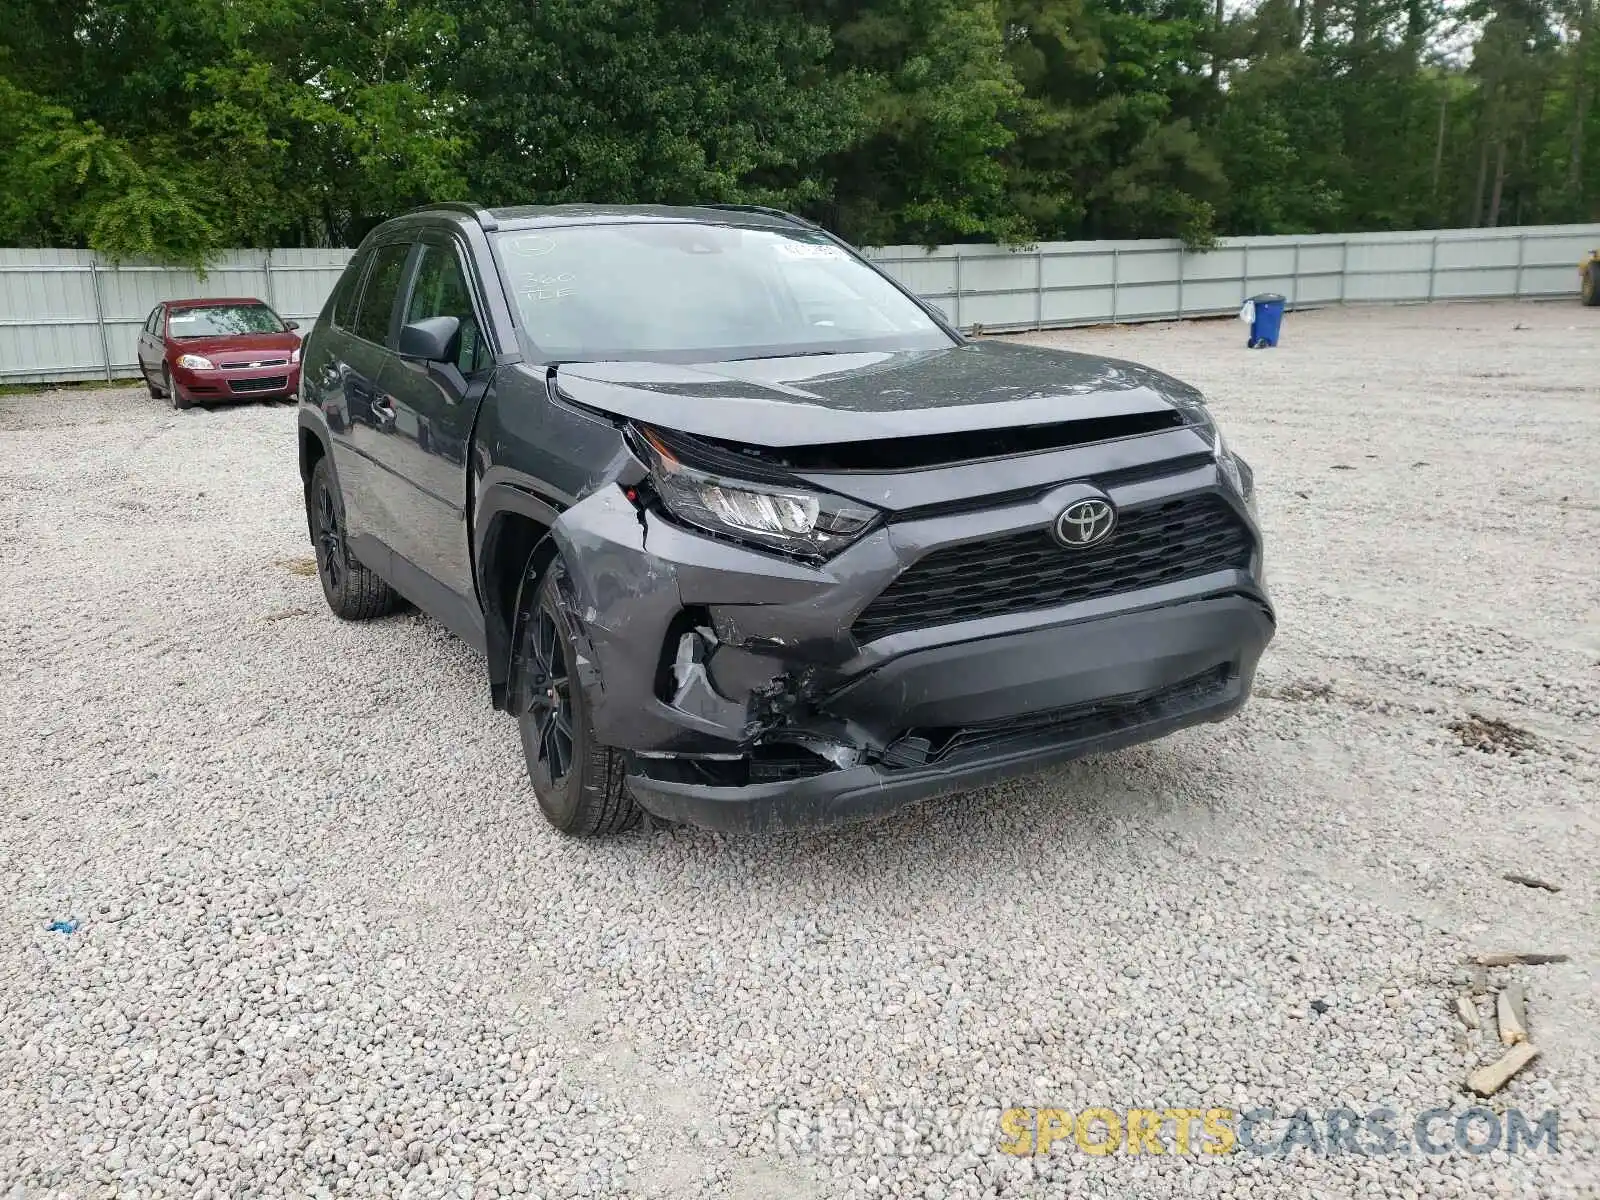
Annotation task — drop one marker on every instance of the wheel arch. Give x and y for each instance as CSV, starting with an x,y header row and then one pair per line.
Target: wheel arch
x,y
513,542
312,449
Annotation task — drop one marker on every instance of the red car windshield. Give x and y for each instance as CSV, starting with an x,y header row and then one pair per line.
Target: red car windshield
x,y
222,320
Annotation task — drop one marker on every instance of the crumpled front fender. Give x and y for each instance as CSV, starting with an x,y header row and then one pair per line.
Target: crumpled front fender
x,y
623,600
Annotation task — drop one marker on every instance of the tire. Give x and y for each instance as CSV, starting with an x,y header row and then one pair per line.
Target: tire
x,y
578,783
169,389
352,592
1591,285
155,392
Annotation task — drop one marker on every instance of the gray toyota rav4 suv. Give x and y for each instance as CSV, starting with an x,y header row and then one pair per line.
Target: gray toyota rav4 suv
x,y
748,534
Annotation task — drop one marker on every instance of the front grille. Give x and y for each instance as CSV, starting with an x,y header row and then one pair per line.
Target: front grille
x,y
262,362
1076,723
272,383
1023,572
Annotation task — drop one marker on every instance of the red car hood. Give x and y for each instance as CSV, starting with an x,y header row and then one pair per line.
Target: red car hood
x,y
239,343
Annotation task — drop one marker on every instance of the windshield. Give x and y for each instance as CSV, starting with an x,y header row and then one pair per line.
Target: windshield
x,y
688,292
222,320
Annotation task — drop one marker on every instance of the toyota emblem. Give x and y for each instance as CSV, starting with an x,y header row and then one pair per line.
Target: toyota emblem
x,y
1085,523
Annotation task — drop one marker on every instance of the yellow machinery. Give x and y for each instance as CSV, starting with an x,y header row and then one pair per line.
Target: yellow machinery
x,y
1589,278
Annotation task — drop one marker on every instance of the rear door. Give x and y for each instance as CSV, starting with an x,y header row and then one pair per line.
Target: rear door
x,y
430,409
359,355
325,359
152,350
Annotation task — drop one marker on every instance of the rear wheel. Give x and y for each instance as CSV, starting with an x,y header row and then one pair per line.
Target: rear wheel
x,y
578,783
353,592
155,392
1591,285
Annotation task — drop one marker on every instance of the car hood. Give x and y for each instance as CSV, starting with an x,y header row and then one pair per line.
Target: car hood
x,y
237,343
829,398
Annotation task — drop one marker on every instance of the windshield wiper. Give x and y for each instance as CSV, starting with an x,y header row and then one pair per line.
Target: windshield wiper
x,y
788,354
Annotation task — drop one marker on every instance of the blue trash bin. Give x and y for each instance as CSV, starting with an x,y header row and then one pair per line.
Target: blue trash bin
x,y
1268,320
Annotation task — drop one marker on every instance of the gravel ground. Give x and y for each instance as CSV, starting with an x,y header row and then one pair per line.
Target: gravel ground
x,y
327,945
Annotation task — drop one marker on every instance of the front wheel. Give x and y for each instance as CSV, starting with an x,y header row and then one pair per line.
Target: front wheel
x,y
168,388
578,783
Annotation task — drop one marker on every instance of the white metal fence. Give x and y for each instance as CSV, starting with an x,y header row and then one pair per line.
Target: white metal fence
x,y
65,315
1057,284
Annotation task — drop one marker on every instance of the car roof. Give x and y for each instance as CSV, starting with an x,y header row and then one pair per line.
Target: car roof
x,y
213,302
535,216
528,216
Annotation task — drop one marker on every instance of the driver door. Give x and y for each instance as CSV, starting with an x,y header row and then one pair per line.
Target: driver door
x,y
432,407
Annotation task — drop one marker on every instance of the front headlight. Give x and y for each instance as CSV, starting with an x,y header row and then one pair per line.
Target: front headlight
x,y
1236,471
794,520
1226,463
1191,405
294,356
1239,476
195,362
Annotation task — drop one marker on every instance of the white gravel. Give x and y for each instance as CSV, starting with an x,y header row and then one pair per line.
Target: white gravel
x,y
327,945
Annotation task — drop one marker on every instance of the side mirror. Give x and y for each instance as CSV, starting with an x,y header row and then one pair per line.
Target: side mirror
x,y
291,324
432,340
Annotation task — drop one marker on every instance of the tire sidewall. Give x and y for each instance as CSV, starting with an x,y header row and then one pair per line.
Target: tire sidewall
x,y
322,477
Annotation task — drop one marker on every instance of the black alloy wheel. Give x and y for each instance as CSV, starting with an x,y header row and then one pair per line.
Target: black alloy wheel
x,y
578,782
548,689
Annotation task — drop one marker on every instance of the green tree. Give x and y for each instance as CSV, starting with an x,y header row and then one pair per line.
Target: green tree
x,y
71,182
1110,133
175,128
938,103
644,101
178,128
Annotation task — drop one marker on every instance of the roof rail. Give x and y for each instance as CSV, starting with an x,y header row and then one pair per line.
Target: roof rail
x,y
483,216
765,210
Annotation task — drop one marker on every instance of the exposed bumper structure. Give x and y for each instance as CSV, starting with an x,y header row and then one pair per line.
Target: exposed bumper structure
x,y
1228,634
742,685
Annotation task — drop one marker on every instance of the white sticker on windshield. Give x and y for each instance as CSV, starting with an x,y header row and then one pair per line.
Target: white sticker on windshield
x,y
808,250
529,246
548,287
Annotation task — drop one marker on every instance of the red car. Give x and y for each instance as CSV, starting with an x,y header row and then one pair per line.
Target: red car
x,y
199,350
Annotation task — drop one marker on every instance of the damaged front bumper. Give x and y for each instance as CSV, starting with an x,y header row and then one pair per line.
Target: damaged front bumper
x,y
868,789
746,702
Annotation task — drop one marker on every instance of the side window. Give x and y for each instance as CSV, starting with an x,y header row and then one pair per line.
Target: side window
x,y
377,301
152,323
342,303
441,291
